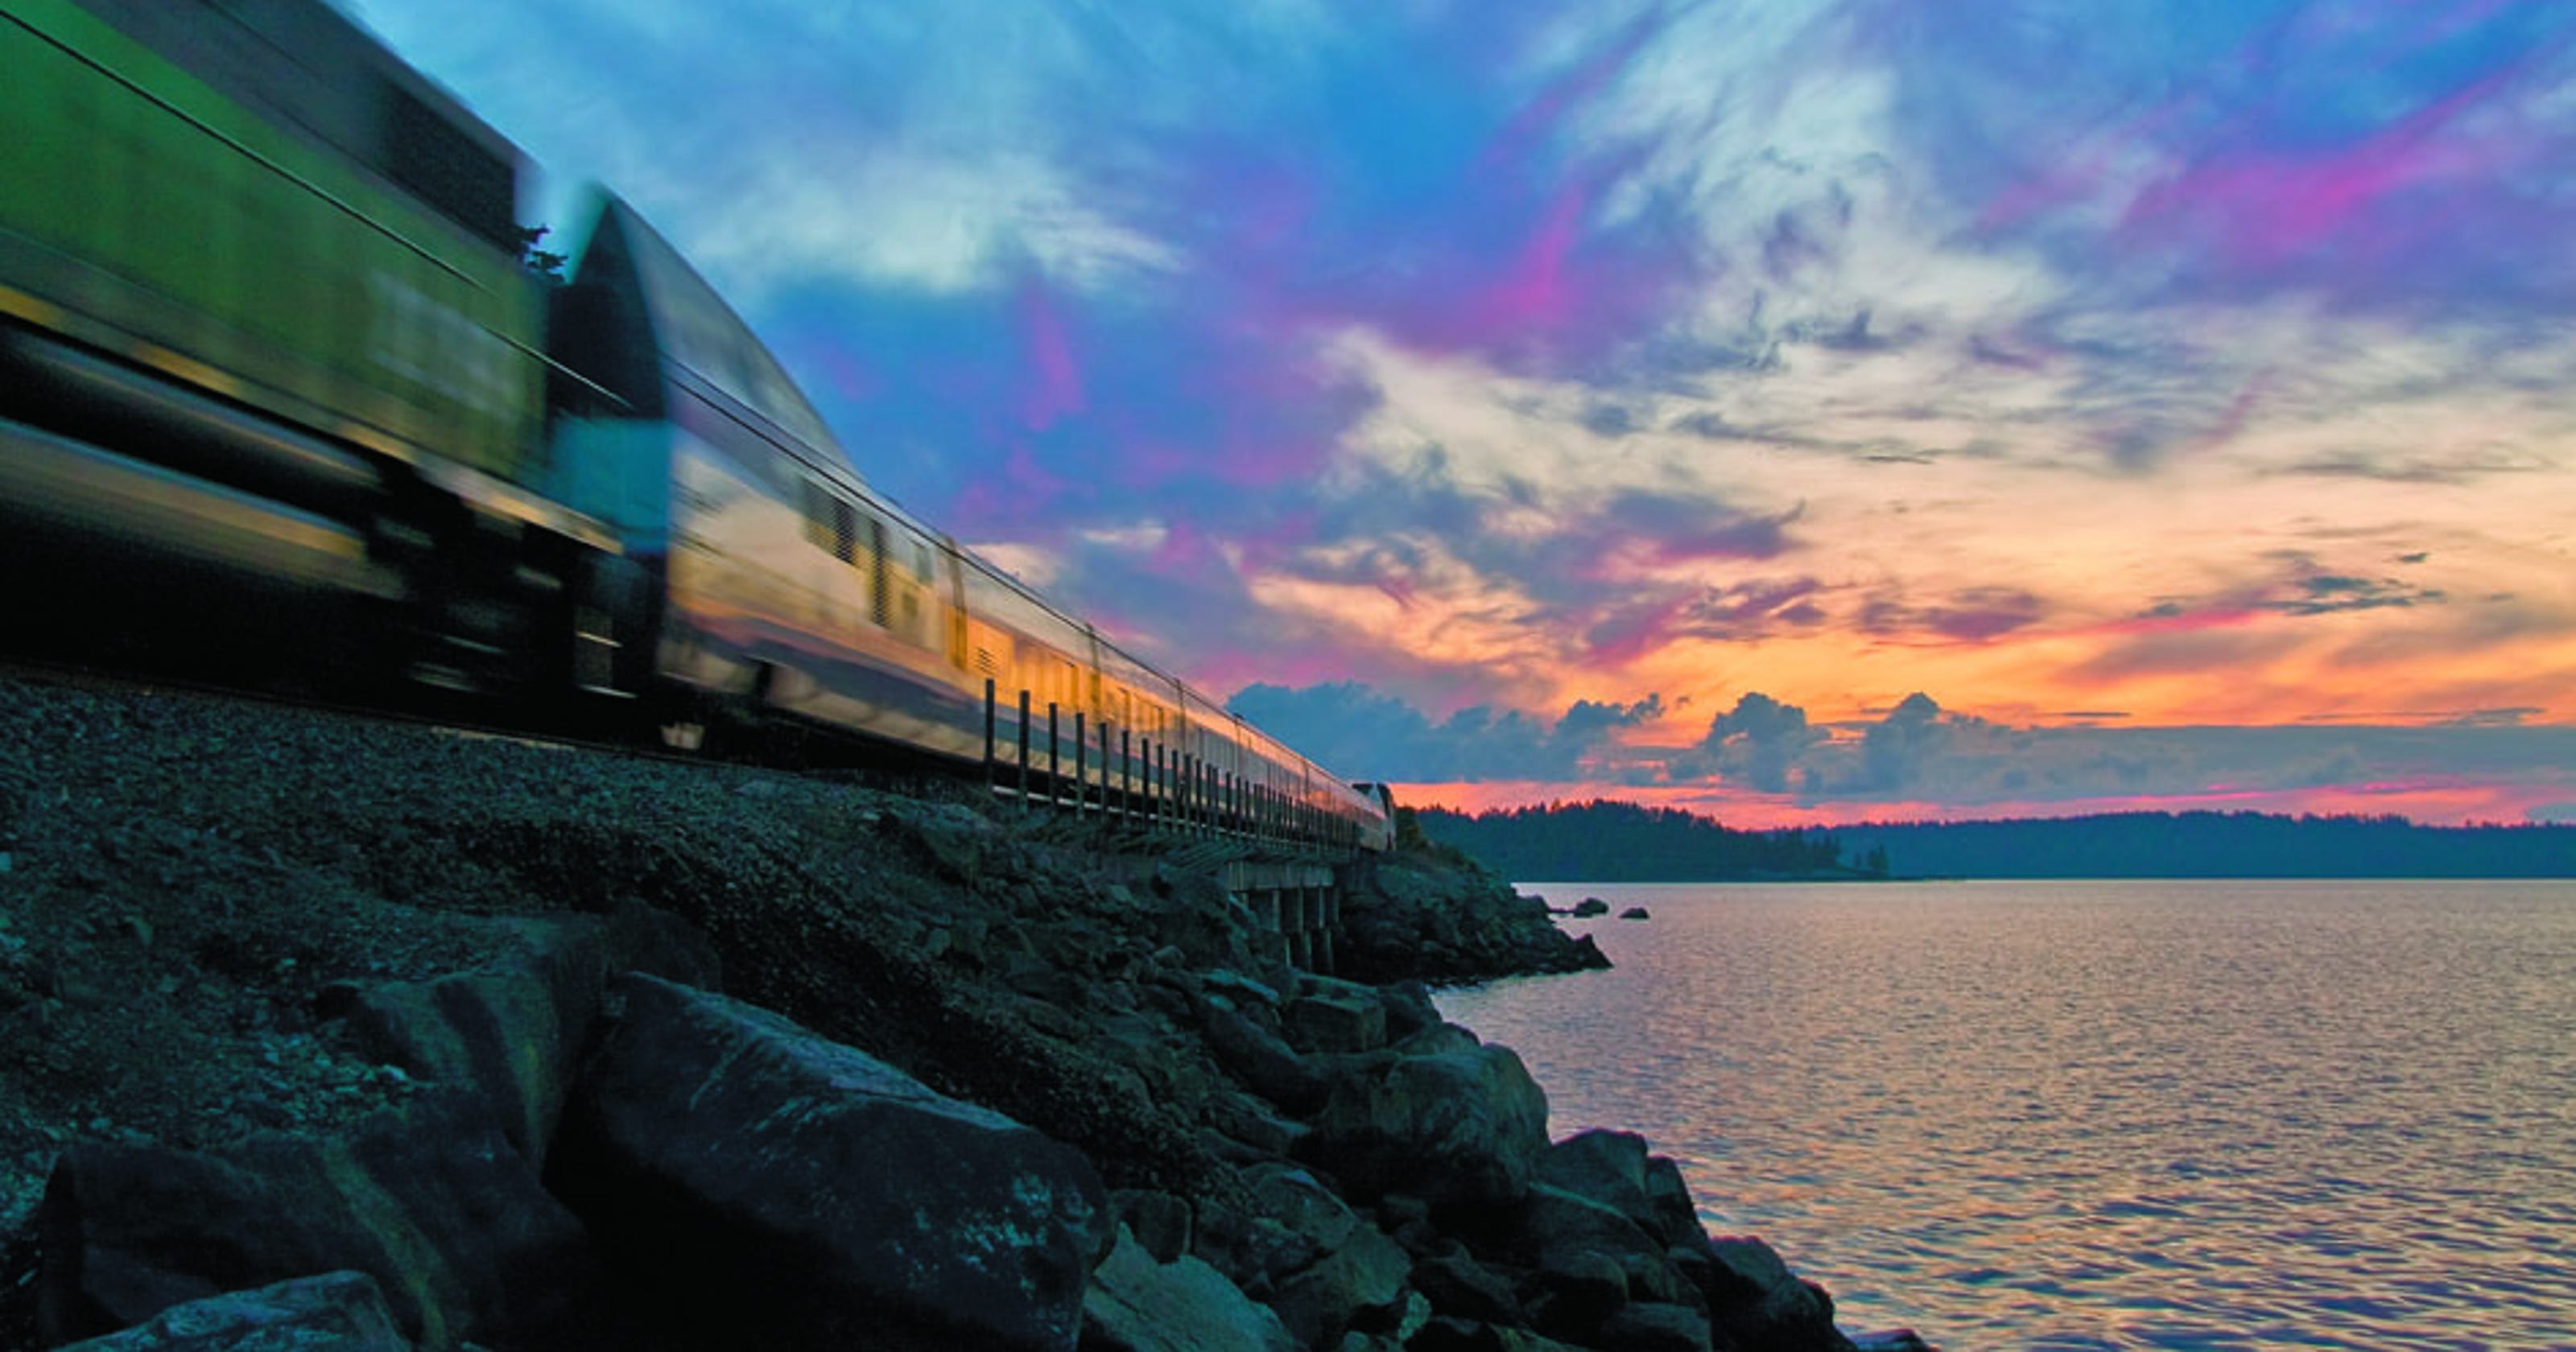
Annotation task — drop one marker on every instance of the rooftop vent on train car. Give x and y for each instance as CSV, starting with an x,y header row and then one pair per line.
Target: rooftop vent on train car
x,y
438,162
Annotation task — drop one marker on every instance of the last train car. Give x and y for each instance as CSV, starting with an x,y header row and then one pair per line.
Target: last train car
x,y
775,583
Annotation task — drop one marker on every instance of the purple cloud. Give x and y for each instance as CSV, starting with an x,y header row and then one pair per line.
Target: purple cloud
x,y
1969,615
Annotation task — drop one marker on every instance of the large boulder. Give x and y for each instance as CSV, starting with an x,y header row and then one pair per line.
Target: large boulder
x,y
1328,1015
1460,1286
1262,1060
510,1036
1448,1333
429,1199
1461,1126
1135,1304
836,1200
1552,1225
335,1312
1298,1200
1649,1327
1608,1167
1360,1285
1761,1306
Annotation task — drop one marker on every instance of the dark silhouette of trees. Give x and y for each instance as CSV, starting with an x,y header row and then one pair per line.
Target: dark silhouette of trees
x,y
2219,845
1602,841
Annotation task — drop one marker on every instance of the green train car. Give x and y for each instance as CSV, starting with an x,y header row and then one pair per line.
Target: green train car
x,y
348,264
261,310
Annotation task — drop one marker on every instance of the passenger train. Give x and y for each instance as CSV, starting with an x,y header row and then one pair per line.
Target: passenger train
x,y
269,354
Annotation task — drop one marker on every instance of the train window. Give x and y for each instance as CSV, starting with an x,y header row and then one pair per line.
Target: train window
x,y
923,567
818,515
845,531
880,599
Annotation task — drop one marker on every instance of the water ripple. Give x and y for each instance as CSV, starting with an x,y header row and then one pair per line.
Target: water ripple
x,y
2094,1115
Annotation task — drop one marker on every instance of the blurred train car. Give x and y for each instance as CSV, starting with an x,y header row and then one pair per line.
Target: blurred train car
x,y
268,363
271,372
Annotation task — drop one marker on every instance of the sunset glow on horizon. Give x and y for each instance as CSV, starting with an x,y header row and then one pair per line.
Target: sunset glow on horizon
x,y
1806,411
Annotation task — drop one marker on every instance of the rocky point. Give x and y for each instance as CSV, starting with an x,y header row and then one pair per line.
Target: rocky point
x,y
333,1033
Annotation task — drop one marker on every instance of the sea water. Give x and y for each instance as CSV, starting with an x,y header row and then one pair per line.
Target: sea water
x,y
2101,1114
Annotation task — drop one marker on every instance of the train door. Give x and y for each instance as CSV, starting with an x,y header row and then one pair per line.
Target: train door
x,y
959,654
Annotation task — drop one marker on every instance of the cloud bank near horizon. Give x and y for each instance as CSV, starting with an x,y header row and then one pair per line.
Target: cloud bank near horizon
x,y
1763,762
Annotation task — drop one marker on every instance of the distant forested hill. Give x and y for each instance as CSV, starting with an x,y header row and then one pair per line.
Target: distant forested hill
x,y
2219,845
1622,842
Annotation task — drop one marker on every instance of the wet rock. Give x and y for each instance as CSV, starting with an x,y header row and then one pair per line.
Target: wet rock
x,y
509,1037
1459,1285
1635,913
1448,1334
1249,1132
1758,1304
837,1200
1265,1063
1158,1220
1589,907
337,1311
1253,1251
1360,1284
1672,1216
1557,1226
1235,985
429,1199
1656,1278
1296,1199
1136,1304
1607,1167
1409,1010
1464,1126
1335,1016
1576,1290
1644,1326
1191,911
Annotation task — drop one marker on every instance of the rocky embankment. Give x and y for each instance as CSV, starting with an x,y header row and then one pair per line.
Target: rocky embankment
x,y
320,1033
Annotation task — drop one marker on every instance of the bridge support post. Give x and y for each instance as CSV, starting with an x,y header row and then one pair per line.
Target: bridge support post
x,y
1300,902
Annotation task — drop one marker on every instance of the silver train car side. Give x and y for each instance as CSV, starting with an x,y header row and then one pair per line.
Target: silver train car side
x,y
773,582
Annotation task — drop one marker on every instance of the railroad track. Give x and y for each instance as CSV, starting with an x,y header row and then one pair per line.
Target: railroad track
x,y
1069,810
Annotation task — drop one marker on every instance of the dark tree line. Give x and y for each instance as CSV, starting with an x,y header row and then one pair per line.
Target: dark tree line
x,y
2219,845
1602,841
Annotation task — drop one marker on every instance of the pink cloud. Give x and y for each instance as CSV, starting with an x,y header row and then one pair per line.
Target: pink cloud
x,y
2265,207
1541,116
1054,388
2434,800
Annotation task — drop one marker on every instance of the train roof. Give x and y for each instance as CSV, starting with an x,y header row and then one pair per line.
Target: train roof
x,y
305,65
698,333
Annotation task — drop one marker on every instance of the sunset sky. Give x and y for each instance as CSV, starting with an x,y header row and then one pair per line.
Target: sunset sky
x,y
1799,410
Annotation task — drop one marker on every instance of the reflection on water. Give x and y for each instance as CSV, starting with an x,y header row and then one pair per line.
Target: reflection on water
x,y
2102,1115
